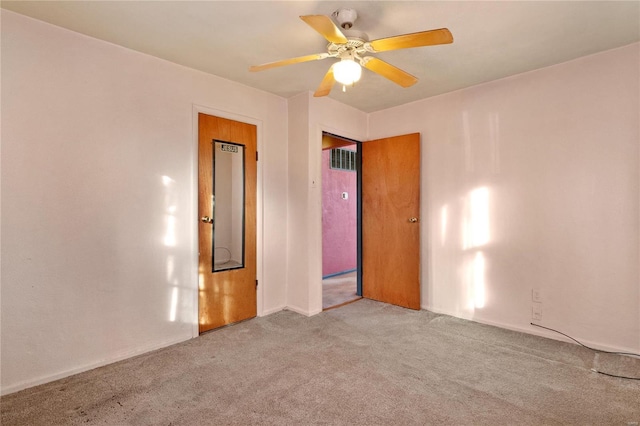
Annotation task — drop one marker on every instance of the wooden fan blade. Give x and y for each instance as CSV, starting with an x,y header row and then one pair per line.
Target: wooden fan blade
x,y
424,38
325,26
326,85
387,70
297,60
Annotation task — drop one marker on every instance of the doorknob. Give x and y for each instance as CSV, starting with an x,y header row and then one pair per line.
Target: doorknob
x,y
206,219
413,219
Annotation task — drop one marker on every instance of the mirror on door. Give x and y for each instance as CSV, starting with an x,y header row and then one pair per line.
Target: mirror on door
x,y
228,206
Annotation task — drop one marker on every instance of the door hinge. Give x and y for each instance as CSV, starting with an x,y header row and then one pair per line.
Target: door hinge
x,y
256,155
256,284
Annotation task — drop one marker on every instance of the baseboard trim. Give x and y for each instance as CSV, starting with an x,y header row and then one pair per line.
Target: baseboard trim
x,y
272,311
301,311
529,329
66,373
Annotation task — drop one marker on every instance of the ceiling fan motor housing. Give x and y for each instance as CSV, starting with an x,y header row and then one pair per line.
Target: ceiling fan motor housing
x,y
345,17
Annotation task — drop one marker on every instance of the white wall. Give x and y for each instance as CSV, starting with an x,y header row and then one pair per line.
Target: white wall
x,y
553,158
99,254
308,118
298,256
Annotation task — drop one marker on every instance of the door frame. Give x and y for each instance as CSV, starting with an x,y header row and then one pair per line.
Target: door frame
x,y
358,145
196,109
315,261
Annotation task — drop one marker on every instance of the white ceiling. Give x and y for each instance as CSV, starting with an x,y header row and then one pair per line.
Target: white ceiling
x,y
491,39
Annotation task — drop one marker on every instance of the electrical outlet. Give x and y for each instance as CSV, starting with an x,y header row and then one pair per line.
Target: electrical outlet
x,y
536,295
536,311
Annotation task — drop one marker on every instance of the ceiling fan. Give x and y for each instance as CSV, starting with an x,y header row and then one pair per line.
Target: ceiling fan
x,y
351,46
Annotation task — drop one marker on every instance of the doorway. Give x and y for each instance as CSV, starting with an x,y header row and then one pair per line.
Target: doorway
x,y
341,233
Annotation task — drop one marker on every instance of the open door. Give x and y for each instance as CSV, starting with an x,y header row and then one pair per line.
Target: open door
x,y
227,221
390,220
341,279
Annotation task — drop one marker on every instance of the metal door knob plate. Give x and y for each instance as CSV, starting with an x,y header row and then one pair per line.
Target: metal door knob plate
x,y
413,219
206,219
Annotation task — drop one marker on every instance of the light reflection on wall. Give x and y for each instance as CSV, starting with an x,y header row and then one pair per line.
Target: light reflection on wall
x,y
475,234
169,240
476,219
170,211
174,304
443,224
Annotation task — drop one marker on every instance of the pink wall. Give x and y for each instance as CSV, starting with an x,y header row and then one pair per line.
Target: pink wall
x,y
339,218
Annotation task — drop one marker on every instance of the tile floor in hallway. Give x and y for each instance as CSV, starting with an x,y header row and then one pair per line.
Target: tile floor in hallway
x,y
339,290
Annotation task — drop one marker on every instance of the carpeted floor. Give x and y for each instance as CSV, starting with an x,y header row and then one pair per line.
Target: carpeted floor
x,y
366,363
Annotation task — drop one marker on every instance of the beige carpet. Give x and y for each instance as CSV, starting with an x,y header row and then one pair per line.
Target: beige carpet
x,y
366,363
339,290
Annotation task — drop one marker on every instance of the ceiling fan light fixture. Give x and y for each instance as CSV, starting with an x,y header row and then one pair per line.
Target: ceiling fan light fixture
x,y
350,46
347,72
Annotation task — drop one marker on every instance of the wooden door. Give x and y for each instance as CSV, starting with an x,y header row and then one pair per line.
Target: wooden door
x,y
390,220
228,294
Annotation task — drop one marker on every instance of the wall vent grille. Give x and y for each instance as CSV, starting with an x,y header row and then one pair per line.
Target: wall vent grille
x,y
343,159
